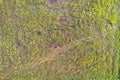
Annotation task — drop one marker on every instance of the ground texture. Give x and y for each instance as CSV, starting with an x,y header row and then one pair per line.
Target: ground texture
x,y
59,39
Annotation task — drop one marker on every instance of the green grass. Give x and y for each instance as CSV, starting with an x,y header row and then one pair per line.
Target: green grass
x,y
75,40
118,39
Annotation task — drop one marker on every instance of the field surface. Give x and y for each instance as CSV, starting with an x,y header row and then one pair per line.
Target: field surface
x,y
59,39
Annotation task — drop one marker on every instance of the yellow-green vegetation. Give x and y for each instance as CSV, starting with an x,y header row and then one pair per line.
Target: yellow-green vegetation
x,y
118,37
59,39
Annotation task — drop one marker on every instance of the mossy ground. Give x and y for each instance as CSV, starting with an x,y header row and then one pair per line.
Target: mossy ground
x,y
59,39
